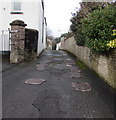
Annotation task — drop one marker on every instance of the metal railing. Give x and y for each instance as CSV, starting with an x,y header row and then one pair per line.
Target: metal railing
x,y
5,40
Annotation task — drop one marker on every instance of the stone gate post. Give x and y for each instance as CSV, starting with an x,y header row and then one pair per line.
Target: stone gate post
x,y
17,41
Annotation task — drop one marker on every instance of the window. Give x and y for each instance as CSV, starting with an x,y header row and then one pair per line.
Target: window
x,y
16,7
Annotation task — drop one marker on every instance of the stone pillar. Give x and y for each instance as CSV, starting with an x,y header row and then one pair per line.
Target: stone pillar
x,y
17,41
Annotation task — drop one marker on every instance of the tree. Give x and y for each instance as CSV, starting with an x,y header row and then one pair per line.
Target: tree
x,y
49,34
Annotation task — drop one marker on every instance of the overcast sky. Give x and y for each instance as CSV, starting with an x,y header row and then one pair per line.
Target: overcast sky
x,y
58,14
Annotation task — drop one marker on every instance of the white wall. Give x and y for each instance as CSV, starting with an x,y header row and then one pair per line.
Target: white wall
x,y
29,16
0,15
58,46
40,17
45,30
32,16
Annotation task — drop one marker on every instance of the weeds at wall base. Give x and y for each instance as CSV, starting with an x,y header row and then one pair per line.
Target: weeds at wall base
x,y
78,62
83,67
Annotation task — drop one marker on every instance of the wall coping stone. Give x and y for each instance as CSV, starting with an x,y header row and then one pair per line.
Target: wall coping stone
x,y
18,22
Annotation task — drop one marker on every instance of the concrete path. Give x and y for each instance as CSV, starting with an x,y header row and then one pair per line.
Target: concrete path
x,y
5,63
52,86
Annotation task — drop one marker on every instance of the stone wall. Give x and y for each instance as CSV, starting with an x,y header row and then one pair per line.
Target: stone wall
x,y
23,42
17,41
103,65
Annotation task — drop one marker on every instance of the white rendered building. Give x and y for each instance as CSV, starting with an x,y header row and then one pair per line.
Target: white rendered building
x,y
29,11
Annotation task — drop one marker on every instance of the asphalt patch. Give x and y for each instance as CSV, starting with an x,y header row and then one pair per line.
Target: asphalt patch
x,y
35,81
81,86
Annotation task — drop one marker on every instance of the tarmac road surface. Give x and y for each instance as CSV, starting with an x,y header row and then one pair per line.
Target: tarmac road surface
x,y
67,91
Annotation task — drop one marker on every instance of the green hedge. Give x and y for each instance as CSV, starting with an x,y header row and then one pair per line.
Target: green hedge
x,y
97,28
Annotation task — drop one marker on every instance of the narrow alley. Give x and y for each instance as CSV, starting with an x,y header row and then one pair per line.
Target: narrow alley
x,y
53,86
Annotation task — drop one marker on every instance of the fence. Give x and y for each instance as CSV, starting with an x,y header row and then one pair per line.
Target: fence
x,y
4,40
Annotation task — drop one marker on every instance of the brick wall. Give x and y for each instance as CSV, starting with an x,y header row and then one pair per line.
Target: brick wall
x,y
103,65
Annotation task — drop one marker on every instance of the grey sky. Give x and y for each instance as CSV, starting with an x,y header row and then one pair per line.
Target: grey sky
x,y
58,14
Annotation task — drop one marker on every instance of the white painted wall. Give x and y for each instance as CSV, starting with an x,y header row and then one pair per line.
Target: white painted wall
x,y
58,46
32,16
45,39
40,17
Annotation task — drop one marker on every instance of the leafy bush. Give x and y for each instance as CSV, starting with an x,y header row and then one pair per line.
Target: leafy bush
x,y
76,26
67,35
97,28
